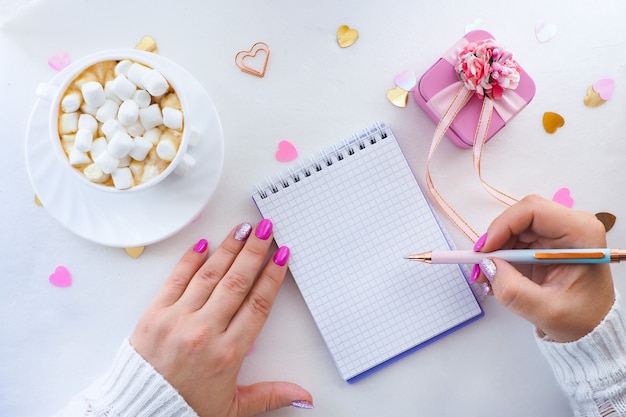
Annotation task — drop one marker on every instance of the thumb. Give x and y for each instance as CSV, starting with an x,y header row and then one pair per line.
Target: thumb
x,y
512,289
266,396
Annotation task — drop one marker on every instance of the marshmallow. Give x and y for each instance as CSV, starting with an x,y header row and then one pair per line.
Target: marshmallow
x,y
71,102
194,137
77,157
87,122
106,162
155,83
110,128
120,145
172,118
83,140
166,150
123,88
122,178
170,100
107,111
128,113
136,72
89,109
124,162
153,135
122,67
95,174
142,98
109,94
151,116
136,129
68,123
140,149
67,142
136,168
149,172
185,165
93,94
97,147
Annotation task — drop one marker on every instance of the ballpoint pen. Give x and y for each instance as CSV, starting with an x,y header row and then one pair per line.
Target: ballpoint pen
x,y
528,256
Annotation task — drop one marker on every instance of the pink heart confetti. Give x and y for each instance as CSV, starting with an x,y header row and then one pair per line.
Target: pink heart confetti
x,y
545,31
61,277
604,87
406,80
563,197
59,60
286,152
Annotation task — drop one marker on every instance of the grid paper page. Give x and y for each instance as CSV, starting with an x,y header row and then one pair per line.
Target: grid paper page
x,y
348,226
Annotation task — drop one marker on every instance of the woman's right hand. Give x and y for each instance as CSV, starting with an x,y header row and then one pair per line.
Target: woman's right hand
x,y
564,301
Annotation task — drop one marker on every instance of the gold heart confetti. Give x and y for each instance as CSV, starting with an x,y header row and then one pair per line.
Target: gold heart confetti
x,y
552,121
599,92
147,44
346,36
607,219
398,97
38,201
593,99
135,252
243,58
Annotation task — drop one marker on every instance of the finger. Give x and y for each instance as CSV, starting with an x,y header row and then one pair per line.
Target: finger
x,y
267,396
208,275
233,289
513,290
537,219
177,282
248,321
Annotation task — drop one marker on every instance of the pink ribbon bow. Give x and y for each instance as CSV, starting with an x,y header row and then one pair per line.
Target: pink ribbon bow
x,y
483,81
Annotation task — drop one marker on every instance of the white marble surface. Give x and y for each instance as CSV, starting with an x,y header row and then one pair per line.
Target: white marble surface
x,y
54,341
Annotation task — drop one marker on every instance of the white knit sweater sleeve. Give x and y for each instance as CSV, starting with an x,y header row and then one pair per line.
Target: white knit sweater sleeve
x,y
131,387
592,370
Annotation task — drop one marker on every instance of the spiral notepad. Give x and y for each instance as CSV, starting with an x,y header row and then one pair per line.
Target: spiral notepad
x,y
349,216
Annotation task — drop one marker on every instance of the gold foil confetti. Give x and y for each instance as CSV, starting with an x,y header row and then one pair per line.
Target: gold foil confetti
x,y
346,36
607,219
398,97
135,252
147,44
552,121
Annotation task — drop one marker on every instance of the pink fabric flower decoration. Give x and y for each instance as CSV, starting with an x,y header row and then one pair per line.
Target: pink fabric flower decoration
x,y
487,68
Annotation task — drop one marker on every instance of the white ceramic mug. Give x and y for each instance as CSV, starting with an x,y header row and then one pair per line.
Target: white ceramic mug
x,y
53,92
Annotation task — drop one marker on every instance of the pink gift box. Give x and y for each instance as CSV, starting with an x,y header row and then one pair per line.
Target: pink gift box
x,y
436,88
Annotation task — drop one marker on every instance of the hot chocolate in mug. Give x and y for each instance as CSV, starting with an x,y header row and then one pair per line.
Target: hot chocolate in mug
x,y
119,119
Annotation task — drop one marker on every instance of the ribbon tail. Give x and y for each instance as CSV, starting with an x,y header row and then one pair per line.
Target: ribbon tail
x,y
461,97
479,143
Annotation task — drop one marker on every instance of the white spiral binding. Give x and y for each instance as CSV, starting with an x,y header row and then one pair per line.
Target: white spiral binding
x,y
323,160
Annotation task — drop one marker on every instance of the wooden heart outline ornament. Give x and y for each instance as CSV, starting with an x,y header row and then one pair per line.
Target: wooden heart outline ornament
x,y
242,56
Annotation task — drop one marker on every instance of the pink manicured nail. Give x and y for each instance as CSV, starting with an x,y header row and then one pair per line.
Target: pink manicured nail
x,y
475,273
201,246
243,231
302,404
281,256
480,243
264,229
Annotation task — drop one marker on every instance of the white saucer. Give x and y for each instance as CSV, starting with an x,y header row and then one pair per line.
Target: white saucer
x,y
136,218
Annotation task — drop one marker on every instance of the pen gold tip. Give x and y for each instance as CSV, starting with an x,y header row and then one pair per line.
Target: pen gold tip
x,y
420,257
